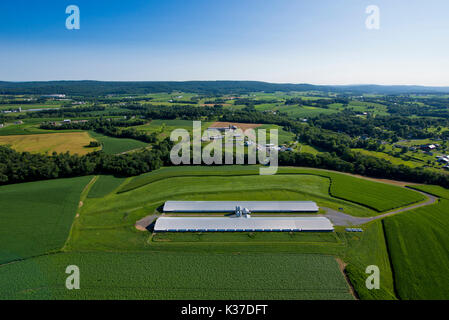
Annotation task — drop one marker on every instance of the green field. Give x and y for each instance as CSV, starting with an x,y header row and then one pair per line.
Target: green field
x,y
418,242
61,142
30,126
113,145
377,196
308,149
254,237
177,276
163,128
392,159
36,217
255,187
31,106
304,111
118,261
434,190
284,137
104,185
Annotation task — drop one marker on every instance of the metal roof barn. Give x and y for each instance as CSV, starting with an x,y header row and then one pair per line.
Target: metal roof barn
x,y
229,206
241,224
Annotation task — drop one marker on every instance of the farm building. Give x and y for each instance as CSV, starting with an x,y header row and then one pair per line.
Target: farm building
x,y
230,206
243,224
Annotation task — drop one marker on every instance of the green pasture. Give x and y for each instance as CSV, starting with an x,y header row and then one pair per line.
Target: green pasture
x,y
163,128
392,159
377,196
284,137
113,145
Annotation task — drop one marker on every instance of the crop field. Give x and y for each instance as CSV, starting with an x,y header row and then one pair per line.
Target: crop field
x,y
358,250
175,171
104,185
434,190
365,249
267,237
177,276
283,136
73,142
377,196
420,258
30,106
30,126
122,262
392,159
308,149
373,108
305,111
253,187
113,145
36,216
163,128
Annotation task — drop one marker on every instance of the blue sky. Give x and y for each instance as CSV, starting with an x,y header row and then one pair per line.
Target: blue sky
x,y
299,41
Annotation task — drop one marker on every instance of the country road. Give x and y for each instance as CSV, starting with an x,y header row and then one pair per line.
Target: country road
x,y
342,219
336,217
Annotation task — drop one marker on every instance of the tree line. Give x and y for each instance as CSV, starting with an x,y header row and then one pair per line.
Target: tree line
x,y
109,127
16,167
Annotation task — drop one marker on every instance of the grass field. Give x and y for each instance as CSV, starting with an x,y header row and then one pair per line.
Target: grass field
x,y
283,136
434,190
73,142
177,276
30,126
163,128
117,145
304,111
392,159
255,187
104,185
30,106
418,242
288,237
118,261
36,217
378,196
308,149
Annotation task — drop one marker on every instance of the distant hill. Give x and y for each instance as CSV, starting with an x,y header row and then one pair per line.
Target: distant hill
x,y
91,88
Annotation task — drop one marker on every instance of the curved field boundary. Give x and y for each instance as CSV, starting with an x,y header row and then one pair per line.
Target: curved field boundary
x,y
378,196
433,190
342,219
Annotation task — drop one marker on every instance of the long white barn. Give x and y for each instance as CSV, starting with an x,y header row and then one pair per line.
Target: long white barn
x,y
229,206
242,224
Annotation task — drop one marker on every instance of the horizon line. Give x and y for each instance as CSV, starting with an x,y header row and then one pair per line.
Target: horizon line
x,y
260,81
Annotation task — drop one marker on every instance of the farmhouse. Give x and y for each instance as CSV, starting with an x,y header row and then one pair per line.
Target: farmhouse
x,y
243,224
230,206
429,147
